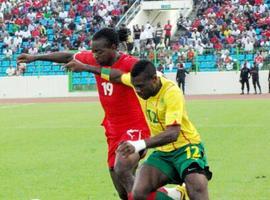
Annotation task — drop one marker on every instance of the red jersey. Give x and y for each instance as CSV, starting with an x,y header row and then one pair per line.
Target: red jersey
x,y
258,59
120,103
168,28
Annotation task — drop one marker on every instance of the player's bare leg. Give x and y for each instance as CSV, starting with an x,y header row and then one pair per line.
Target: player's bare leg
x,y
148,179
118,186
124,168
196,185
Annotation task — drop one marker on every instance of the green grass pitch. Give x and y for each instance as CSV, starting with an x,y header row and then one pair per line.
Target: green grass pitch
x,y
58,151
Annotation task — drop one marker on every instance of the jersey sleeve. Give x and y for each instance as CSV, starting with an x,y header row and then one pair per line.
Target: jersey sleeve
x,y
174,101
85,57
126,79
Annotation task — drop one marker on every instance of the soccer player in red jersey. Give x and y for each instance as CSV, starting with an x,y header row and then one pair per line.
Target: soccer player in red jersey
x,y
124,119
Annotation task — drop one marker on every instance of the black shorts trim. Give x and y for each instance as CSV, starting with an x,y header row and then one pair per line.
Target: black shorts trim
x,y
195,168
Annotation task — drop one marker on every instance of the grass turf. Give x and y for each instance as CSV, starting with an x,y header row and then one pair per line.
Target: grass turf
x,y
58,151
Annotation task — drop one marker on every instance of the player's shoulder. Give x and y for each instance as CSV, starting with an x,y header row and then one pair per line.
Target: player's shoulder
x,y
126,62
128,58
169,86
84,53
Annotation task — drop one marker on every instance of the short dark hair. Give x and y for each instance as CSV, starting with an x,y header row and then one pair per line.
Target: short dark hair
x,y
108,34
144,66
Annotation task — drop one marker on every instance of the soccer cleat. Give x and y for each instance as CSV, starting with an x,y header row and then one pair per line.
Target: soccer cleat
x,y
182,189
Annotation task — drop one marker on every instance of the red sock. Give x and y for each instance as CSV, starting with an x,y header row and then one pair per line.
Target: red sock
x,y
151,196
130,197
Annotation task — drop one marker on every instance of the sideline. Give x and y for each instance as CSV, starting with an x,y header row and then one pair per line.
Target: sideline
x,y
96,99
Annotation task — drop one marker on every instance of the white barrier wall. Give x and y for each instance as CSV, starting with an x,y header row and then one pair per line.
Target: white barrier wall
x,y
218,82
57,86
34,87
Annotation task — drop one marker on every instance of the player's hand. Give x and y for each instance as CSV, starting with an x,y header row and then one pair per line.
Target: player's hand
x,y
125,149
25,58
75,66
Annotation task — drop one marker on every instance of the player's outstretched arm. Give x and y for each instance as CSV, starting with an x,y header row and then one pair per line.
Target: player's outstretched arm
x,y
58,57
112,75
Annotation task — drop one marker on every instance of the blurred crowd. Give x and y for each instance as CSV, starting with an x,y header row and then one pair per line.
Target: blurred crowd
x,y
39,26
220,28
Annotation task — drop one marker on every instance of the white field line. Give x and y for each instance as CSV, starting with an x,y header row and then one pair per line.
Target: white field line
x,y
229,126
10,106
52,127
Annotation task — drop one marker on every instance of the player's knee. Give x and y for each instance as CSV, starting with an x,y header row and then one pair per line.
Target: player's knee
x,y
120,168
124,165
197,188
197,192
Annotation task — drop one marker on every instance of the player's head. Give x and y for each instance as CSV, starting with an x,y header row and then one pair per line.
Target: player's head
x,y
144,79
104,46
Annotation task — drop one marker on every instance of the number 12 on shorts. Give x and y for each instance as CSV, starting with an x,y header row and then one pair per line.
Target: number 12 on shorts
x,y
193,152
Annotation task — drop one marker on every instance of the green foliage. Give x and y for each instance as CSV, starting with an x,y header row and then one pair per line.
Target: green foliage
x,y
58,151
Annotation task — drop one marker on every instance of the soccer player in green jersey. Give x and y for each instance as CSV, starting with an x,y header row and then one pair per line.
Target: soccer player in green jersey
x,y
179,154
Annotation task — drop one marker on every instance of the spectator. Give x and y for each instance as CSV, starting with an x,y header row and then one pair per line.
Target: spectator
x,y
244,78
63,14
170,66
130,41
199,47
158,33
82,47
151,55
143,38
150,45
160,45
168,61
107,19
181,76
168,30
7,39
1,16
187,23
18,72
190,55
136,37
33,50
195,35
10,71
13,45
21,69
123,37
258,60
7,53
248,46
254,71
149,32
228,62
160,68
246,63
18,40
46,46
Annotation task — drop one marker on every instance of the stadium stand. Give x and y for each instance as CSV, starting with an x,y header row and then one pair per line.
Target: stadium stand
x,y
216,31
47,26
